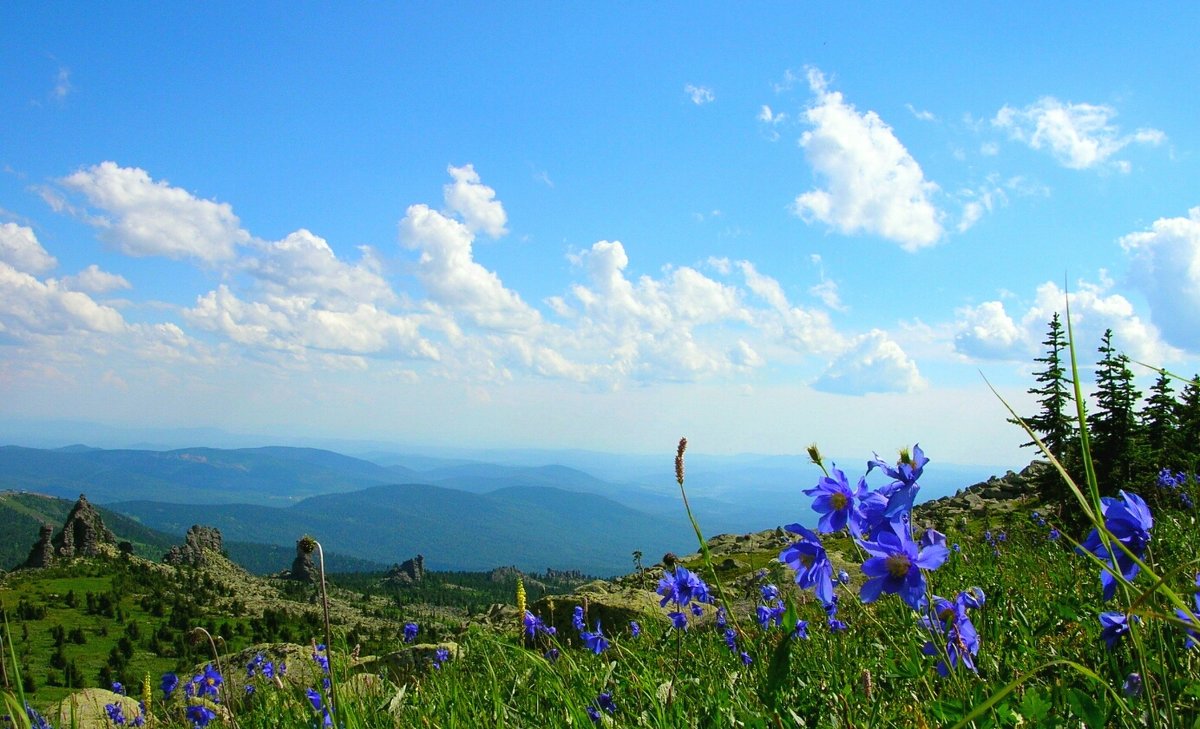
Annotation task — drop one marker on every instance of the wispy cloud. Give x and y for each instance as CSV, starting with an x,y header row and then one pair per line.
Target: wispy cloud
x,y
699,95
1079,136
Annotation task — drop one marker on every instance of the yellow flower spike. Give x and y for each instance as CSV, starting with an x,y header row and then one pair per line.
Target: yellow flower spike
x,y
520,600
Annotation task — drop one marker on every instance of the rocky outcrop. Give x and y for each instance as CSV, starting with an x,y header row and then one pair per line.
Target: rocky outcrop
x,y
303,569
84,532
42,553
198,540
408,572
83,535
997,494
613,606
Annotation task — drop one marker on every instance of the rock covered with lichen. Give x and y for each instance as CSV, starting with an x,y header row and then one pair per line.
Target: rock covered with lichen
x,y
198,544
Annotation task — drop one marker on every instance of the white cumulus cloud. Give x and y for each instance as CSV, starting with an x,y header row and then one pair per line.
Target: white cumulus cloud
x,y
143,217
989,331
31,307
1079,136
475,202
1165,265
874,363
95,281
871,182
20,248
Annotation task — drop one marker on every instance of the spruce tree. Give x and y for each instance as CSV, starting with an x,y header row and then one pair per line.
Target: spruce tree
x,y
1160,423
1054,423
1113,427
1188,415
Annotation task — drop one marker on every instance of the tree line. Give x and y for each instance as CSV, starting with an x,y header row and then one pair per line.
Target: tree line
x,y
1133,439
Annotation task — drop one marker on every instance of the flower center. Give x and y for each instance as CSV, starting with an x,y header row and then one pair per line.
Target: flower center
x,y
898,565
806,560
838,500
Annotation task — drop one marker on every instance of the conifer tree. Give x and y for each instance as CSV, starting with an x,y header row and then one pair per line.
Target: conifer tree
x,y
1113,428
1054,423
1160,422
1188,414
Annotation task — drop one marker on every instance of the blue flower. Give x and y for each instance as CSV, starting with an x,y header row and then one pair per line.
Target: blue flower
x,y
1128,519
1132,685
595,642
605,701
552,655
249,689
905,474
836,502
321,657
949,621
577,618
932,538
200,715
314,698
768,614
1114,626
683,588
36,720
534,625
117,688
730,636
634,629
115,713
897,566
208,683
808,559
441,655
746,659
1054,534
169,683
801,630
410,632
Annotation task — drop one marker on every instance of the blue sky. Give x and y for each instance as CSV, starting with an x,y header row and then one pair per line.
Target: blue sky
x,y
559,226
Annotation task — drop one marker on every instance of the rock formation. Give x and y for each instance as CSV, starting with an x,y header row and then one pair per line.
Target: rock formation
x,y
83,533
196,542
408,572
303,569
42,553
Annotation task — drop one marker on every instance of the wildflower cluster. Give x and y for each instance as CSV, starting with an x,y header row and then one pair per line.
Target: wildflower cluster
x,y
951,627
686,592
202,693
896,563
604,702
1176,483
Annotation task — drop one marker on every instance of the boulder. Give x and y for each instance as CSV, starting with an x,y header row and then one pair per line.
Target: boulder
x,y
85,709
612,606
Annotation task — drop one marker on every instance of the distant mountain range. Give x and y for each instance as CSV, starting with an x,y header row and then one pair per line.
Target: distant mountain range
x,y
458,513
